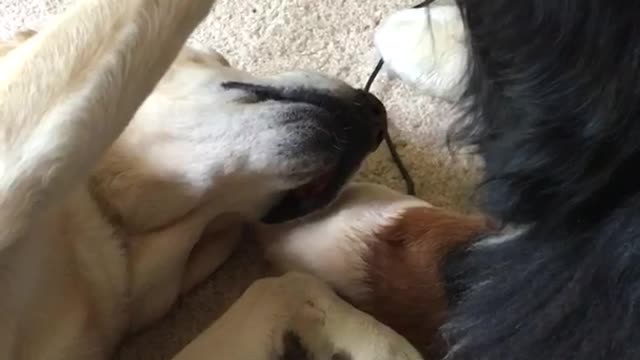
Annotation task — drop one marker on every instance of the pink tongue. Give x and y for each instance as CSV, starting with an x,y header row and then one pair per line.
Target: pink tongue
x,y
314,187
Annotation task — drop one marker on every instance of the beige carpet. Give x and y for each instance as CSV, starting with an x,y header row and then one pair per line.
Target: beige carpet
x,y
267,36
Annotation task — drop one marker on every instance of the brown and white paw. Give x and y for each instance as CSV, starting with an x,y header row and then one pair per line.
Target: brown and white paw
x,y
334,244
426,48
331,328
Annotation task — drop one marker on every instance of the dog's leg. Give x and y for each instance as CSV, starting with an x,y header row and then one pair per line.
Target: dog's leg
x,y
68,92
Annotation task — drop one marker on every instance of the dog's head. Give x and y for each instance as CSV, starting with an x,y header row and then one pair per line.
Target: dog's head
x,y
274,147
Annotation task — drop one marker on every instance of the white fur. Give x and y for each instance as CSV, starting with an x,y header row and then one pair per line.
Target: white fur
x,y
507,234
426,48
126,176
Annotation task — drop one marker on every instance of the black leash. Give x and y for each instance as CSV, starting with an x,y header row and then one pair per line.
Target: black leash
x,y
406,176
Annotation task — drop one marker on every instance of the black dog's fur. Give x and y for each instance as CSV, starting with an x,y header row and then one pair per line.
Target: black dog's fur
x,y
554,109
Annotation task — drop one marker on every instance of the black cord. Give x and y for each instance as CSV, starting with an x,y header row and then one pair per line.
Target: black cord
x,y
373,76
406,176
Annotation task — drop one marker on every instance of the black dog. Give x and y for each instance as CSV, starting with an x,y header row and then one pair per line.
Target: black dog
x,y
553,107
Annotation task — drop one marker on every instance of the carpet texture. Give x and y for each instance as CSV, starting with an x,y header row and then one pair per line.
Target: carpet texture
x,y
268,36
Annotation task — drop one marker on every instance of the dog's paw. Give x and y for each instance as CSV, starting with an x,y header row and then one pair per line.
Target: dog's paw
x,y
426,48
297,316
323,326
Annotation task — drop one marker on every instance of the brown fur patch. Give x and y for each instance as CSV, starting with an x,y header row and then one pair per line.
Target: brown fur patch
x,y
404,271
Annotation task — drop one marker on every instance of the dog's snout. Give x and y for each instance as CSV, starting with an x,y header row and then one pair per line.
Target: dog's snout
x,y
377,114
356,116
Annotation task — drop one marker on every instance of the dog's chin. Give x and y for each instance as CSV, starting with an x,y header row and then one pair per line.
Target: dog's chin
x,y
314,195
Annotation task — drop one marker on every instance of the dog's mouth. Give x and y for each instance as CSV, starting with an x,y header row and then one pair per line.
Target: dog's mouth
x,y
315,194
318,193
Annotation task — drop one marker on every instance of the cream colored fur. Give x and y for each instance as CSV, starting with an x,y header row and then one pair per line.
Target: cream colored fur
x,y
126,173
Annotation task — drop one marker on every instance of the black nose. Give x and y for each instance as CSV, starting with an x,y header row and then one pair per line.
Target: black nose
x,y
378,116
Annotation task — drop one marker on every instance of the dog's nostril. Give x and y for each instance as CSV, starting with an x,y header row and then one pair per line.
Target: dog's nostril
x,y
376,106
377,115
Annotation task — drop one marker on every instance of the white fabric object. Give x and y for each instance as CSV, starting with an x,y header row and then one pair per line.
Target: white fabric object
x,y
425,47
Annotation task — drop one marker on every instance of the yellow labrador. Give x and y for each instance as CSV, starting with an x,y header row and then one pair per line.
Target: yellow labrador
x,y
128,163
